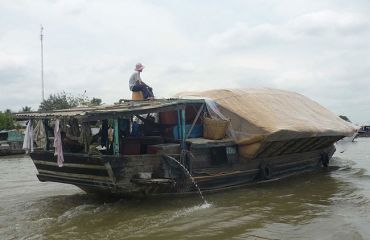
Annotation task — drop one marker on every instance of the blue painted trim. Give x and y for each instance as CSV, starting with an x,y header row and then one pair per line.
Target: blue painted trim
x,y
179,124
183,128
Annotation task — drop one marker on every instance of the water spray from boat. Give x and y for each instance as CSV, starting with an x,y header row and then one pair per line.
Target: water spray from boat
x,y
190,176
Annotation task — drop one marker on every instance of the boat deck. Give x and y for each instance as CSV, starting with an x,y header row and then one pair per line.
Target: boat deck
x,y
208,143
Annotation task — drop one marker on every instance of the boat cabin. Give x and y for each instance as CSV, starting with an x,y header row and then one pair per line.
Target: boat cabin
x,y
132,128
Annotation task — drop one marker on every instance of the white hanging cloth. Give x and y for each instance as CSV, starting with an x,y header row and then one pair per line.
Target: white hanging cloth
x,y
58,144
28,138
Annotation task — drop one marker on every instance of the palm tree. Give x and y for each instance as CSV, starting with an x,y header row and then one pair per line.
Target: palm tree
x,y
26,109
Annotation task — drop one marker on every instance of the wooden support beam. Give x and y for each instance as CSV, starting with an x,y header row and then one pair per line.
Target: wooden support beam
x,y
179,124
46,125
195,121
183,128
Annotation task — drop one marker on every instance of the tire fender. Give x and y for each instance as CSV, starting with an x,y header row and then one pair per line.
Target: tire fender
x,y
266,170
324,159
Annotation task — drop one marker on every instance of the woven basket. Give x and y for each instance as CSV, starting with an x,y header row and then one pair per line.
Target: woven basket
x,y
214,129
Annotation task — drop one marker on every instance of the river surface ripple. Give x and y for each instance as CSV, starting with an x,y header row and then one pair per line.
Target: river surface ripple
x,y
331,203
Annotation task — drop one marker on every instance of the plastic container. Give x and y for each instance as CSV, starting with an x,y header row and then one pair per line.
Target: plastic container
x,y
195,133
169,148
130,147
169,118
138,95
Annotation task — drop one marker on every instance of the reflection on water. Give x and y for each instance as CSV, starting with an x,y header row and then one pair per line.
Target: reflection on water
x,y
326,204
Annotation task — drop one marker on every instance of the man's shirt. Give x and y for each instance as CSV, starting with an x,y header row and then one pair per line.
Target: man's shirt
x,y
133,79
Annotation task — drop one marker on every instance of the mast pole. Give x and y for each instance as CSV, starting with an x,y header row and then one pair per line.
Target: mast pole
x,y
42,62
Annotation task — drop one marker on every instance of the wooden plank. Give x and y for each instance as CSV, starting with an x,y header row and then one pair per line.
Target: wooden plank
x,y
74,175
302,162
318,144
271,149
110,172
113,111
208,143
72,157
265,145
304,146
72,170
127,114
227,174
194,121
293,145
75,181
74,165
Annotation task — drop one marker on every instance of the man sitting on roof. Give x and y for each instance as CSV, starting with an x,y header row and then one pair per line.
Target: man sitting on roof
x,y
136,84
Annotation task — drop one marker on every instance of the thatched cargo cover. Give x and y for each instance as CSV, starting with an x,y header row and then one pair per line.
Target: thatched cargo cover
x,y
273,115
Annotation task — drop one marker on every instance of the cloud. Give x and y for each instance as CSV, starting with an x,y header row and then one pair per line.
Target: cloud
x,y
321,54
317,25
319,49
12,68
244,36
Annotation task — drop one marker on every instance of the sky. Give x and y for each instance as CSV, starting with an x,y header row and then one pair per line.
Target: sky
x,y
318,48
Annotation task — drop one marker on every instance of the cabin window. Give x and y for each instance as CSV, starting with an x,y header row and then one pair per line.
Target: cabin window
x,y
218,156
3,136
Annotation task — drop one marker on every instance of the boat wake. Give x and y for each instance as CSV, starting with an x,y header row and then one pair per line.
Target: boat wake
x,y
75,212
190,210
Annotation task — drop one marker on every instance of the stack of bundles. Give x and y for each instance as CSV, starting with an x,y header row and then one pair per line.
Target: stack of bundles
x,y
266,115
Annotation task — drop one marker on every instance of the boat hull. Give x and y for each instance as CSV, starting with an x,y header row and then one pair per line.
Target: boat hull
x,y
11,148
148,175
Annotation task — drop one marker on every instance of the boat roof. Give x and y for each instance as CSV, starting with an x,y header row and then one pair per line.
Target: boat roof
x,y
4,131
8,130
125,109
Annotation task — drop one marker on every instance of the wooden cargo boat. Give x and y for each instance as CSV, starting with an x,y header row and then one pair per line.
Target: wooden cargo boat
x,y
151,138
364,131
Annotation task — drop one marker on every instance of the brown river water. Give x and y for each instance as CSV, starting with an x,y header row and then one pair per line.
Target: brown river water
x,y
331,203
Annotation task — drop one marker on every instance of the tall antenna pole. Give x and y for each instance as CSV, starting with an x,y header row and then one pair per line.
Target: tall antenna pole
x,y
42,61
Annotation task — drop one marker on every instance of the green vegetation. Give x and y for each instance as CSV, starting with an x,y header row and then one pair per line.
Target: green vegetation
x,y
26,109
55,101
6,120
95,102
65,100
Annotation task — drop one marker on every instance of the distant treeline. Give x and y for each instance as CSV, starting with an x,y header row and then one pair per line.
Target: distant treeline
x,y
6,120
56,101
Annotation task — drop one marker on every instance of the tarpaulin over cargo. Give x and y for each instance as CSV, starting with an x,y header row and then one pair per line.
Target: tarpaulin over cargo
x,y
274,114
